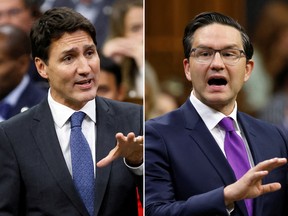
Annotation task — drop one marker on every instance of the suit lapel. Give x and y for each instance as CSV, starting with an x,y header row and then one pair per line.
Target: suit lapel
x,y
105,142
253,140
206,142
46,139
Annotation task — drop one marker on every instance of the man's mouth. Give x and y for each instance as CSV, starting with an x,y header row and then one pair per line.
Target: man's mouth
x,y
83,82
217,81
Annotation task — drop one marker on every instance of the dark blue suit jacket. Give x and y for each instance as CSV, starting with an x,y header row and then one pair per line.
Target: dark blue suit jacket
x,y
31,96
34,178
186,171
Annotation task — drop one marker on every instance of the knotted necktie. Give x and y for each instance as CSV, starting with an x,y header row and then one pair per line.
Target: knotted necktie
x,y
4,110
82,162
236,153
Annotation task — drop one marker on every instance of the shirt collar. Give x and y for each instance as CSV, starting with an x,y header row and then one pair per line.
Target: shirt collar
x,y
14,95
210,116
61,113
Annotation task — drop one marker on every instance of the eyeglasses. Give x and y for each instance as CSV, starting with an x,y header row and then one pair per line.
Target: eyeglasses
x,y
229,56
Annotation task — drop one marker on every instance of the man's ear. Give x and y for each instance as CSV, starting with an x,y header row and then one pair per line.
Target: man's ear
x,y
186,65
41,67
248,70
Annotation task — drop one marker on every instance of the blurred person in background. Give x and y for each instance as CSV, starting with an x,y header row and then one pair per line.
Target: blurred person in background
x,y
276,111
111,86
110,82
23,13
17,91
97,11
157,102
125,43
270,37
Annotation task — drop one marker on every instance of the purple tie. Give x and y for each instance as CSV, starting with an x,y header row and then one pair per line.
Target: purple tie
x,y
236,153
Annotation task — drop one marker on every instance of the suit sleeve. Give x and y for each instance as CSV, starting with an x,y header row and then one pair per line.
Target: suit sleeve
x,y
160,193
9,178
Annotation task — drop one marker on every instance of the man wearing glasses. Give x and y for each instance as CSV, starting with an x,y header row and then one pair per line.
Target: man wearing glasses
x,y
207,158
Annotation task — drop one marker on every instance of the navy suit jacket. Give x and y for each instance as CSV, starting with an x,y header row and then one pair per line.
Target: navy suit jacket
x,y
34,178
185,170
31,96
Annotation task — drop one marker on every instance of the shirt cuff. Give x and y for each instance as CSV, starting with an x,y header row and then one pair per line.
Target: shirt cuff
x,y
230,209
136,170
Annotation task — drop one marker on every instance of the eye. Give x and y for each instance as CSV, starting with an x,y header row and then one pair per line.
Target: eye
x,y
230,53
102,89
90,53
204,53
68,59
136,28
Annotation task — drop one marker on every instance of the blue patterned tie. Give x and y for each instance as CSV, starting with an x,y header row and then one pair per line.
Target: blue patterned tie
x,y
82,162
236,154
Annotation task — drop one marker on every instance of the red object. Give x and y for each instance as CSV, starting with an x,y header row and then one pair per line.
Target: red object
x,y
140,207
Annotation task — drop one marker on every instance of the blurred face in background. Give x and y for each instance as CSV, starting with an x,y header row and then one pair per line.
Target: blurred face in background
x,y
14,12
133,23
12,69
108,87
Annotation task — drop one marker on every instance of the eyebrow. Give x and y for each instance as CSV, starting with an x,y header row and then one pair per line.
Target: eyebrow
x,y
74,49
232,46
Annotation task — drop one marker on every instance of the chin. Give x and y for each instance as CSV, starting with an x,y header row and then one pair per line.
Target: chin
x,y
87,96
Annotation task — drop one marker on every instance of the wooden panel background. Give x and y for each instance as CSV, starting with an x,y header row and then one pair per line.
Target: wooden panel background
x,y
165,21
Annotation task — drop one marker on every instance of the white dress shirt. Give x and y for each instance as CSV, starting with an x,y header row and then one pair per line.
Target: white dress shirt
x,y
211,119
61,115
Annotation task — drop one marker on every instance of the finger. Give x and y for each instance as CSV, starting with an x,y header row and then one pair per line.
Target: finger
x,y
119,135
257,176
120,138
139,139
270,164
271,187
113,154
131,137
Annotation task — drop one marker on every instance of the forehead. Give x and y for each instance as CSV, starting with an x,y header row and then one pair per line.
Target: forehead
x,y
134,12
217,36
71,40
8,4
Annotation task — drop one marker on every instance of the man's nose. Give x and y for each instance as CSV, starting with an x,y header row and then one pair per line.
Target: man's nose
x,y
217,60
83,65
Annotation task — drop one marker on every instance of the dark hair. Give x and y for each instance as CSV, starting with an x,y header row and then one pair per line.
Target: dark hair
x,y
109,65
208,18
16,41
117,18
34,7
52,25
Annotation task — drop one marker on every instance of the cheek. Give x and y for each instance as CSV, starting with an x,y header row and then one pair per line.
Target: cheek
x,y
96,70
8,71
60,75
